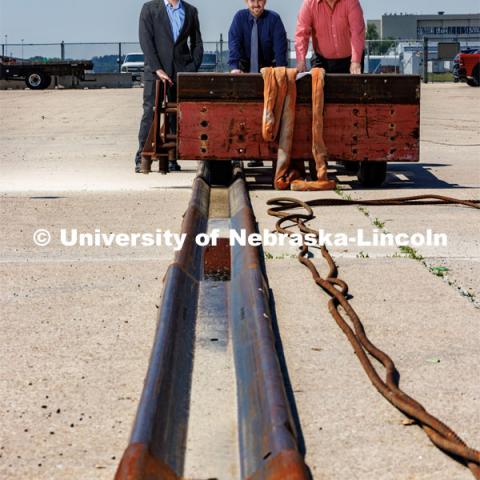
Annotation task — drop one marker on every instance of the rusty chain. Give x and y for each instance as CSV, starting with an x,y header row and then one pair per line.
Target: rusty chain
x,y
440,434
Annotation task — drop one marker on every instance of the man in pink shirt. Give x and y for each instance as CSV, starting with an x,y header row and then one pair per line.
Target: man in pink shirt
x,y
337,29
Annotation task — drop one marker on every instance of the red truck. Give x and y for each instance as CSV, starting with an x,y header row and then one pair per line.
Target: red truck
x,y
469,68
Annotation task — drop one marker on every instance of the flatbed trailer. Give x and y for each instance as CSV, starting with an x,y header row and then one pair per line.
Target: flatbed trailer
x,y
369,120
38,75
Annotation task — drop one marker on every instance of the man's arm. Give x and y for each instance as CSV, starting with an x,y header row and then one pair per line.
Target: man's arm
x,y
234,45
196,42
280,44
303,33
147,40
356,23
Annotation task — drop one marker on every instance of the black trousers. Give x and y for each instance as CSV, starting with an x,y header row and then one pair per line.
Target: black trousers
x,y
147,118
337,65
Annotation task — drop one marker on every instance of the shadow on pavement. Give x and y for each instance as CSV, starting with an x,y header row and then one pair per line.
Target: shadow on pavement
x,y
399,175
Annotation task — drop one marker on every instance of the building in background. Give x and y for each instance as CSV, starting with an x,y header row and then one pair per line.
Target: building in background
x,y
396,42
436,27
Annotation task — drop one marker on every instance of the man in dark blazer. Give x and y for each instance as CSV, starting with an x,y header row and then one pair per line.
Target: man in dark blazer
x,y
166,26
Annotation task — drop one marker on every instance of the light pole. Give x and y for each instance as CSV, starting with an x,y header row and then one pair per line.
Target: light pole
x,y
6,45
22,49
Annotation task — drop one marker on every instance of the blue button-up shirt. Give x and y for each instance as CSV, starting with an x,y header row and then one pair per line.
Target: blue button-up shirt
x,y
176,16
272,40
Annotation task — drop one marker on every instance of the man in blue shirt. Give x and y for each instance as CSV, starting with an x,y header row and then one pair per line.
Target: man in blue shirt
x,y
176,15
257,39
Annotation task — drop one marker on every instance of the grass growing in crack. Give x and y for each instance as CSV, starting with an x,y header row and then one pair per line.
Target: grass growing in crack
x,y
465,293
379,224
285,256
342,193
410,252
364,211
347,196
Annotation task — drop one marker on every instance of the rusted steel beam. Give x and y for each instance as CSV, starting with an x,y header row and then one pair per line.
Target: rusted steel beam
x,y
267,434
357,132
268,444
287,465
339,88
138,463
217,261
157,442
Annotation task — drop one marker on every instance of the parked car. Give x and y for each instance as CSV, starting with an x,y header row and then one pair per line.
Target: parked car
x,y
209,62
466,67
134,63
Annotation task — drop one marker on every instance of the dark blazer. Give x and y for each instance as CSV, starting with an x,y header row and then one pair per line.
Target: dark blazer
x,y
156,40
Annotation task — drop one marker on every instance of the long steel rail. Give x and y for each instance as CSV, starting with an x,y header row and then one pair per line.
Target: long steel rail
x,y
267,436
268,447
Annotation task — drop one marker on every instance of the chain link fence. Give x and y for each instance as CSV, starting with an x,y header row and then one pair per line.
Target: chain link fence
x,y
415,57
434,60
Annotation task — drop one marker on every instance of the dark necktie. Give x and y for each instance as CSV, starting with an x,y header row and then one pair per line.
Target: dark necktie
x,y
254,66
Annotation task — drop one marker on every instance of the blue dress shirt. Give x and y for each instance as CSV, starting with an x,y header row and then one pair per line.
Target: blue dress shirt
x,y
272,39
176,16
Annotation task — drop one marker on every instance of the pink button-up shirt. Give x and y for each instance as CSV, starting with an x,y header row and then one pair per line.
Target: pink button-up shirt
x,y
337,33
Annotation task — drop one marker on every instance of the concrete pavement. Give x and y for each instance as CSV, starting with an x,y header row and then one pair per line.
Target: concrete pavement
x,y
425,317
78,322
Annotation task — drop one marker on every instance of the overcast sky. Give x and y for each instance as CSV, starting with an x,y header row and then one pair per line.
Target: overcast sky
x,y
116,20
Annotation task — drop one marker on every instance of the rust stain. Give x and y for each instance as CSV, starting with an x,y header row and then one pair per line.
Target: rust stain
x,y
287,465
139,464
239,137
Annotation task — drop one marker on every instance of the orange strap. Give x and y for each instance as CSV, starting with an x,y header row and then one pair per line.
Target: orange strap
x,y
319,148
280,99
280,94
275,92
